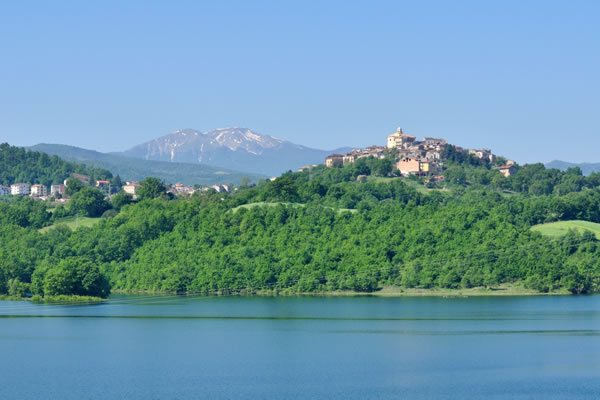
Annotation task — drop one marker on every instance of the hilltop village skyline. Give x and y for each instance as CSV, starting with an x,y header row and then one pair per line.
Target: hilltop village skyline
x,y
419,157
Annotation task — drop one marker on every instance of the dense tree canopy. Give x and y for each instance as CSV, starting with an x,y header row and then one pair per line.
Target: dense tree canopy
x,y
20,165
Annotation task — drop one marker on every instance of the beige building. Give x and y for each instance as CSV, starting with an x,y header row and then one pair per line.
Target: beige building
x,y
507,170
131,188
483,154
334,160
349,159
414,166
399,140
38,191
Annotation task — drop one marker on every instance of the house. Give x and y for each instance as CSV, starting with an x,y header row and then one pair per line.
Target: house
x,y
414,166
57,190
131,188
334,160
409,166
507,170
103,184
38,190
20,189
433,155
4,190
399,139
483,154
349,158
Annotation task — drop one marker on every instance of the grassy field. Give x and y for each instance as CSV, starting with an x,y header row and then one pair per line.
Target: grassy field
x,y
72,223
560,228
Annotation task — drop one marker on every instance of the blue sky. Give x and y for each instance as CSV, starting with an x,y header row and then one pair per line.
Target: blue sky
x,y
520,77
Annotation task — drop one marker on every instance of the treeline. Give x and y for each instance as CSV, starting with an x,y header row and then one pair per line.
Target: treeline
x,y
532,179
20,165
318,230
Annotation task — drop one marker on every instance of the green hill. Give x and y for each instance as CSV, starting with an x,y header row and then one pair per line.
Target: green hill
x,y
561,228
136,169
19,165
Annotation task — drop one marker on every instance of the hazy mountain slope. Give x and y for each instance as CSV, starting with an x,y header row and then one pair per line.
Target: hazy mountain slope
x,y
135,169
234,148
586,168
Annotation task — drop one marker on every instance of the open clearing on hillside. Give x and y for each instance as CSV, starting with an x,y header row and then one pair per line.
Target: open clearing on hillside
x,y
560,228
72,223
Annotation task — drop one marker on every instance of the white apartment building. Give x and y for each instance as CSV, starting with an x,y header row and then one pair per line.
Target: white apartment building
x,y
20,189
58,189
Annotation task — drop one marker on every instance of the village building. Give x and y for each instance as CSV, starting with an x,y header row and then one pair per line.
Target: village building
x,y
349,159
507,170
483,154
4,190
399,140
103,184
373,151
181,189
433,155
334,160
409,166
38,190
57,190
131,188
20,189
437,143
414,166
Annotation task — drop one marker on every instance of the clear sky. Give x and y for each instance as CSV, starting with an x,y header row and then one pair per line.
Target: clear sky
x,y
520,77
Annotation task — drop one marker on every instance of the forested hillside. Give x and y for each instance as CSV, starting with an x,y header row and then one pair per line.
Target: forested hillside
x,y
20,165
321,230
133,169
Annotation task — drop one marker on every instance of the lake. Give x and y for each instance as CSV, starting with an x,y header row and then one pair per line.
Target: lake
x,y
142,347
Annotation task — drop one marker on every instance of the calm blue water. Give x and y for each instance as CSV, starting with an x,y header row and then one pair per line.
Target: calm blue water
x,y
302,348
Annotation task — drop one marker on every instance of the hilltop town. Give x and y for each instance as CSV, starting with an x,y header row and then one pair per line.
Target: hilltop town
x,y
419,157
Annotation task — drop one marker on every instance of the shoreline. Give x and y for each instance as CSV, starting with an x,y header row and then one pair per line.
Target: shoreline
x,y
387,291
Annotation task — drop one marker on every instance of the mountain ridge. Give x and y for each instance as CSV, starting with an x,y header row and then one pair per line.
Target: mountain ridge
x,y
236,148
586,167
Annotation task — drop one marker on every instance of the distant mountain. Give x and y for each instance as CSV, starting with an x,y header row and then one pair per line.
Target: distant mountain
x,y
135,169
586,168
236,148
